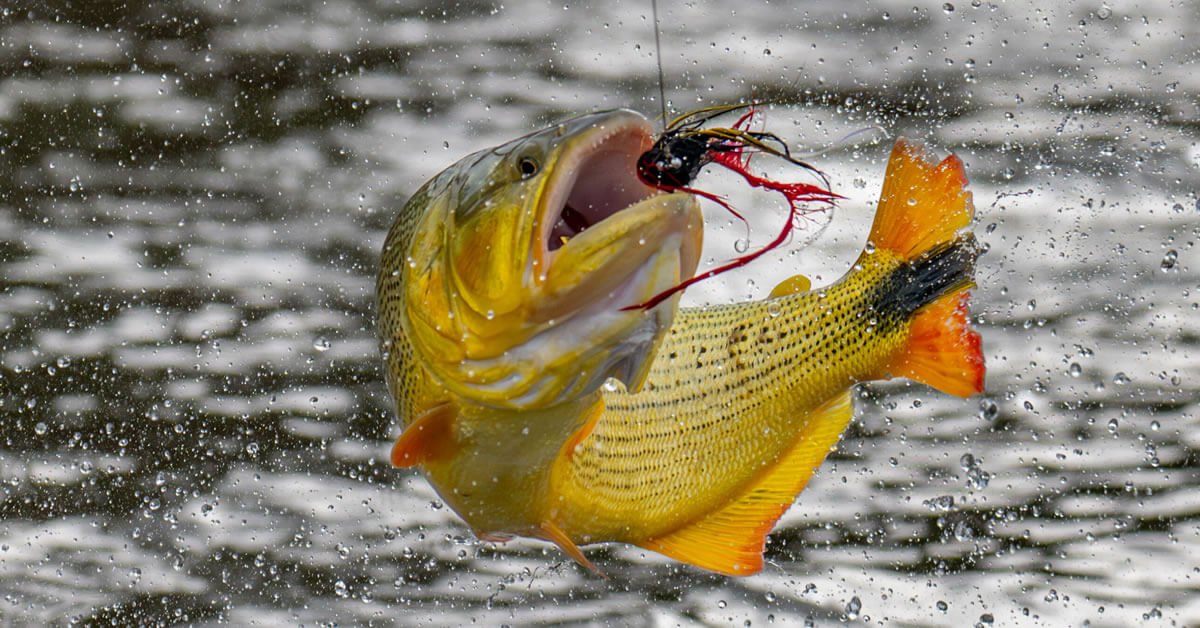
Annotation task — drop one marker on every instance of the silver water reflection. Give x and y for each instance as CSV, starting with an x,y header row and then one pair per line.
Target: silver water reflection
x,y
192,196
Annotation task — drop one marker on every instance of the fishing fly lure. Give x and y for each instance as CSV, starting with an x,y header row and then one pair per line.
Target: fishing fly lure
x,y
686,147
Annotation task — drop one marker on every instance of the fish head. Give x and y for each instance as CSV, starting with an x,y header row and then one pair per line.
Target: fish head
x,y
526,254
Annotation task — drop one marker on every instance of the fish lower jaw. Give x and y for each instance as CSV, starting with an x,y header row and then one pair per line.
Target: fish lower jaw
x,y
574,356
602,341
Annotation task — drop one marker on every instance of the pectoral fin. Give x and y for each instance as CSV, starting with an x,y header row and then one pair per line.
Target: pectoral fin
x,y
428,439
731,540
594,413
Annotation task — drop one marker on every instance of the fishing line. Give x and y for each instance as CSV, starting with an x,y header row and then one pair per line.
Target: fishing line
x,y
868,136
662,90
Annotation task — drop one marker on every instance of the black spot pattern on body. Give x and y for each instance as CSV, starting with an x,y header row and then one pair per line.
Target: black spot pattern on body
x,y
698,417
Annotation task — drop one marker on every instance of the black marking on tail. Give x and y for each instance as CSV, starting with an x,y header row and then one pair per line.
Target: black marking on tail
x,y
922,280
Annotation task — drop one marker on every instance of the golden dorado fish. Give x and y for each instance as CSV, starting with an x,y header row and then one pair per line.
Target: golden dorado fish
x,y
537,406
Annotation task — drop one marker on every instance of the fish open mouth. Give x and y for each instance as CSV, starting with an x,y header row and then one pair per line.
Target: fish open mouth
x,y
599,180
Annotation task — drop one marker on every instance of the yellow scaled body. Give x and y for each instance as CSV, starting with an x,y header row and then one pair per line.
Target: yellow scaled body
x,y
713,419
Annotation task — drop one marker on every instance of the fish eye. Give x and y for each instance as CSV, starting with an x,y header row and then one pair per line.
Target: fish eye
x,y
528,166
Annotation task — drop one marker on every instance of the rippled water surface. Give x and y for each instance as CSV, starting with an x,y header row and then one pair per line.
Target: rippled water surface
x,y
193,194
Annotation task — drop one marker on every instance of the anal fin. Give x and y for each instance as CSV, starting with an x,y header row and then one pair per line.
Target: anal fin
x,y
731,540
428,439
943,351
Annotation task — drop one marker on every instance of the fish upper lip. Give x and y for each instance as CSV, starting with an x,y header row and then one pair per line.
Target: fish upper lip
x,y
595,176
595,179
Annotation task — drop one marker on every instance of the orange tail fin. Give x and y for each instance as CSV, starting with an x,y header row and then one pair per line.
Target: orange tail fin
x,y
922,204
943,350
922,210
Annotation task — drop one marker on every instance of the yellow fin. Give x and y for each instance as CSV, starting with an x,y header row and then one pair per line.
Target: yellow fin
x,y
922,203
428,439
792,285
731,540
551,532
943,351
589,424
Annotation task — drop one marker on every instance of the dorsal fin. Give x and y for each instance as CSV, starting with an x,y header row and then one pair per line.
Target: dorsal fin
x,y
428,439
792,285
731,540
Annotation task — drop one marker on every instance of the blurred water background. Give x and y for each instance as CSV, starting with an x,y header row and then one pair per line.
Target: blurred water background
x,y
193,194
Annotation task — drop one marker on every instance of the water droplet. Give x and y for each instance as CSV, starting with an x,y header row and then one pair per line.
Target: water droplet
x,y
741,245
977,479
1075,370
63,362
1104,13
1032,305
252,448
853,607
40,429
1121,378
869,248
988,410
611,385
1113,425
1155,426
942,606
967,461
1169,260
948,8
721,604
773,309
321,343
942,503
